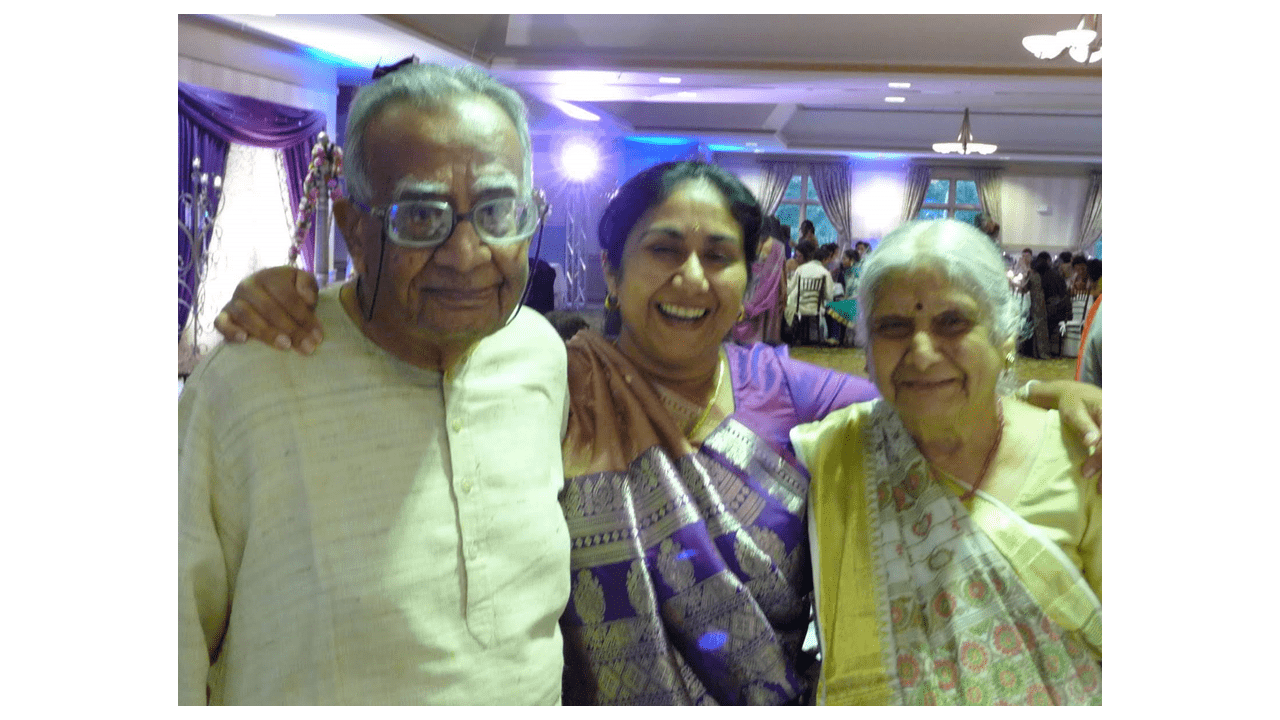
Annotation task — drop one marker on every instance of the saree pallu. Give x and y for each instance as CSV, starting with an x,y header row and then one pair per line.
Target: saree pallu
x,y
923,602
762,308
690,568
1038,346
845,313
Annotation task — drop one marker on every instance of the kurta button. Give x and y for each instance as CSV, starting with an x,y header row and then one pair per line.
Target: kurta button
x,y
457,425
467,485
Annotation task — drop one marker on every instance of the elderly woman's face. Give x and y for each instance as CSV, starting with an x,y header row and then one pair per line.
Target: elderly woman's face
x,y
930,350
683,276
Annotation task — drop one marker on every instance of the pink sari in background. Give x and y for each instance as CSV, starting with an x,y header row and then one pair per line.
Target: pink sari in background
x,y
762,305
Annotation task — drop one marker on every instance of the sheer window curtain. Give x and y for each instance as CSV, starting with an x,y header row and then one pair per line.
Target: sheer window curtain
x,y
917,186
988,182
209,120
1091,217
777,175
253,231
834,186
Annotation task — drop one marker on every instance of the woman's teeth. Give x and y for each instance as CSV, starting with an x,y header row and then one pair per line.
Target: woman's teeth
x,y
682,313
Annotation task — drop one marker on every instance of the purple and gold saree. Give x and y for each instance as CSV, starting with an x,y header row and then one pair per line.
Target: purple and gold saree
x,y
691,579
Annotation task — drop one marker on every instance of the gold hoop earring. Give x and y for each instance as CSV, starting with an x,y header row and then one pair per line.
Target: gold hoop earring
x,y
610,302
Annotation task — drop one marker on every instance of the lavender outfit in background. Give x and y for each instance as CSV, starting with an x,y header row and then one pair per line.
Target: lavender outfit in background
x,y
691,575
762,308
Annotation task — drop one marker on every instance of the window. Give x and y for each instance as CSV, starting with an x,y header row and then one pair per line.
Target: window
x,y
951,198
799,203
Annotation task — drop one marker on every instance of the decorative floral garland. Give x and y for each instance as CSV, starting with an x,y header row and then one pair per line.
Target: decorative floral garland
x,y
326,160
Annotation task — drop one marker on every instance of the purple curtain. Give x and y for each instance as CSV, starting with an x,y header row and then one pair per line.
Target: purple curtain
x,y
209,121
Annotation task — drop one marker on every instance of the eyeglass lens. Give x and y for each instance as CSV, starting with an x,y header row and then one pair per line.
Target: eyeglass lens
x,y
430,222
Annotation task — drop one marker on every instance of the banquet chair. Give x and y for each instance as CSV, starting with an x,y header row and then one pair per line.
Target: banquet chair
x,y
811,289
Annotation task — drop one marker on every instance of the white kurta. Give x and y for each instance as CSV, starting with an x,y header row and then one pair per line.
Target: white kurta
x,y
357,530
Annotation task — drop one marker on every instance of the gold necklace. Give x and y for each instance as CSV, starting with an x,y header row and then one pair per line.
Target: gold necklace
x,y
715,394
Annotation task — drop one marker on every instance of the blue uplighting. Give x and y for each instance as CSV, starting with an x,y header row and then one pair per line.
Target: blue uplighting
x,y
660,140
329,58
686,554
725,148
713,640
878,156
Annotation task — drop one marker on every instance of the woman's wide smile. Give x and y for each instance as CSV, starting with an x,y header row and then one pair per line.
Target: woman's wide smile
x,y
683,314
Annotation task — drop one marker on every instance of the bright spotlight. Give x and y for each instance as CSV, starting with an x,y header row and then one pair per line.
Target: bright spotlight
x,y
579,160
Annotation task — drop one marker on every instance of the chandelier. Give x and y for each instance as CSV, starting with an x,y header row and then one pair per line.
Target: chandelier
x,y
964,143
1084,42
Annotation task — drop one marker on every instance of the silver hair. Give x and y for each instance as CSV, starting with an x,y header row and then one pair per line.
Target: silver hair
x,y
427,87
964,256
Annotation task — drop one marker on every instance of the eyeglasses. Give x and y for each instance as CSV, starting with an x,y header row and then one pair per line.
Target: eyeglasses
x,y
428,223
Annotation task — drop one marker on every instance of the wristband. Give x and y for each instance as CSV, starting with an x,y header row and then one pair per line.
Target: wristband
x,y
1024,392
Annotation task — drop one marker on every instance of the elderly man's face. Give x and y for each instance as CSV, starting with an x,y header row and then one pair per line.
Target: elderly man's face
x,y
453,294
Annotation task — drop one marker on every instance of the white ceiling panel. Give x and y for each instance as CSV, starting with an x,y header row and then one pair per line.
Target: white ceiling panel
x,y
805,81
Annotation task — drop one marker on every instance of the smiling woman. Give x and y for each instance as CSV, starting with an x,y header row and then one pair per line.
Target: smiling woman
x,y
682,497
986,487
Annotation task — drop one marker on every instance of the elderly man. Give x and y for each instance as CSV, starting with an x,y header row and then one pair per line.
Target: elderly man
x,y
378,523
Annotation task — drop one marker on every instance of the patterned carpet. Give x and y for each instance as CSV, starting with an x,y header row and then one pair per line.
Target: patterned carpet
x,y
853,362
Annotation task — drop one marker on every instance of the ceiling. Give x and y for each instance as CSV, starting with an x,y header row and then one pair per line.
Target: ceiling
x,y
806,84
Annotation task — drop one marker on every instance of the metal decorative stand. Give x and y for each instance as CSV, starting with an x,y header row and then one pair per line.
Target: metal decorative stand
x,y
583,205
575,263
318,190
196,222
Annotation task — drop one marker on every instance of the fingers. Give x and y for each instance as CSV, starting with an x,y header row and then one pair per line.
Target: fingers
x,y
277,306
252,315
1078,416
229,329
308,290
256,312
293,291
1093,466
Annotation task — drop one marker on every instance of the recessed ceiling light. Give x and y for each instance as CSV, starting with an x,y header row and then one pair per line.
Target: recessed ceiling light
x,y
669,80
900,86
686,93
750,144
895,99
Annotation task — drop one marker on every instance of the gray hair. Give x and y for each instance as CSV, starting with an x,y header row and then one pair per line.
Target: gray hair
x,y
964,256
427,87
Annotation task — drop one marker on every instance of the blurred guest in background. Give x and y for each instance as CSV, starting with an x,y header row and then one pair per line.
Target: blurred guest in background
x,y
1080,282
809,288
1057,299
766,292
1062,264
542,286
1037,345
987,224
1094,268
